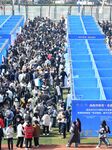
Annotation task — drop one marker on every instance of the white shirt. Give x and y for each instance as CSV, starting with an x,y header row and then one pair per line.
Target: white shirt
x,y
1,98
46,120
10,94
21,76
58,90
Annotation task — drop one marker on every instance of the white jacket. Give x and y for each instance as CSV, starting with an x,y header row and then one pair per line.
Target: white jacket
x,y
9,132
20,130
46,120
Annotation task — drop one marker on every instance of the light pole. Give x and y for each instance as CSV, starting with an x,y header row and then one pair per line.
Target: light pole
x,y
26,8
19,1
101,9
13,7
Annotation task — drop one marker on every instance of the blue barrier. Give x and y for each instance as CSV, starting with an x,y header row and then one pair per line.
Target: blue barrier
x,y
91,74
108,93
79,51
103,57
103,64
8,30
74,42
105,72
85,82
90,25
80,57
99,51
87,93
79,73
78,46
82,64
97,41
4,46
100,47
73,23
106,82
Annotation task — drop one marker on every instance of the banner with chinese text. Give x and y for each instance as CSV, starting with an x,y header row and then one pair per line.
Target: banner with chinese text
x,y
91,114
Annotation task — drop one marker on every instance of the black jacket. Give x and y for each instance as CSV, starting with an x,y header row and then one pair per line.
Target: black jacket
x,y
1,133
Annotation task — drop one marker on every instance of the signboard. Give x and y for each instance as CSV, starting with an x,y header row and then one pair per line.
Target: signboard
x,y
75,36
91,114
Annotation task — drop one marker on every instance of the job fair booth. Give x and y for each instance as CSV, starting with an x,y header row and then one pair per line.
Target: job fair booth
x,y
91,68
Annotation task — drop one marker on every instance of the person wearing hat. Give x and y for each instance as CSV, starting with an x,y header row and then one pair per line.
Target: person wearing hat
x,y
9,135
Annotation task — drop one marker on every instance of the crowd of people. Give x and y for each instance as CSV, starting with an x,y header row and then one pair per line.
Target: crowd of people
x,y
107,30
32,77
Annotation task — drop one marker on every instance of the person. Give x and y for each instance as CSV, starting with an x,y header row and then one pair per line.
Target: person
x,y
28,134
1,136
46,123
68,116
107,130
78,123
59,120
74,137
1,120
20,134
36,133
9,115
9,134
102,136
63,74
63,126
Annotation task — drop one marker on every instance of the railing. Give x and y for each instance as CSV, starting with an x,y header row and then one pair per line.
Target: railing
x,y
55,11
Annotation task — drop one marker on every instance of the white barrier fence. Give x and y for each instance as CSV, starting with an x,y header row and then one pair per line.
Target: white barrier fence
x,y
56,11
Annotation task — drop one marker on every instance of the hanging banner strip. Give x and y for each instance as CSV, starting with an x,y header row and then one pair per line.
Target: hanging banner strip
x,y
75,36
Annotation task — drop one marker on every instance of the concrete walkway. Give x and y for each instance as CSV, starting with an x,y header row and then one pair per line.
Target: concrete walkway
x,y
58,147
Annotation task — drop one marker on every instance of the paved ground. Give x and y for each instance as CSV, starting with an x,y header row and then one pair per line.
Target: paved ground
x,y
57,147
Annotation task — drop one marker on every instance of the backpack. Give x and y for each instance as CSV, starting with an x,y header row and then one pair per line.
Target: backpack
x,y
108,129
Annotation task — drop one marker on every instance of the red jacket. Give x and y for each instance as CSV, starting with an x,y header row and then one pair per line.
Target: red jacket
x,y
1,122
28,131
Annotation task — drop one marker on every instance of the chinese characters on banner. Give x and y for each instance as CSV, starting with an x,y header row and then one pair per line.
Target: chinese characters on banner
x,y
91,114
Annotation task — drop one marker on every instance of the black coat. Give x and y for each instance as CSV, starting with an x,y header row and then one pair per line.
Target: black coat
x,y
74,134
1,133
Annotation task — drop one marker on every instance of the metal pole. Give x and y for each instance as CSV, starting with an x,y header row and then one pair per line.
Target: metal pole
x,y
40,10
97,13
49,10
101,9
91,10
4,6
13,7
55,12
110,13
26,9
69,10
19,1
